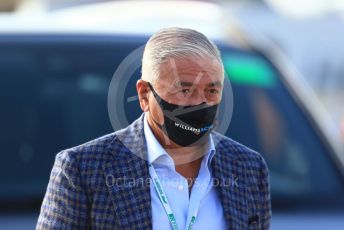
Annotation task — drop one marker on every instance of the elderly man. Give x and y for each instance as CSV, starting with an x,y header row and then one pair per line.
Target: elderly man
x,y
169,169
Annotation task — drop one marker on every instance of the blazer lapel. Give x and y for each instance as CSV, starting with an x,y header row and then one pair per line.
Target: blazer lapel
x,y
230,175
127,178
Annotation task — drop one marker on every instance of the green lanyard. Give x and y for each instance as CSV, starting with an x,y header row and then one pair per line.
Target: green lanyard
x,y
166,204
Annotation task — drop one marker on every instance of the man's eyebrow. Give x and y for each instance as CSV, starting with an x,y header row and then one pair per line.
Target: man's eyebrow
x,y
183,83
216,83
186,83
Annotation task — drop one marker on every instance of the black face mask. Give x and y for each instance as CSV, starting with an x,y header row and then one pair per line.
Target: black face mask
x,y
186,125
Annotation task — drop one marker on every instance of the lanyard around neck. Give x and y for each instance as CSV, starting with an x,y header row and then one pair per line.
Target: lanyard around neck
x,y
164,201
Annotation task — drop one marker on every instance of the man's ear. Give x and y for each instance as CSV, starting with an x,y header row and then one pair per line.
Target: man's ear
x,y
142,89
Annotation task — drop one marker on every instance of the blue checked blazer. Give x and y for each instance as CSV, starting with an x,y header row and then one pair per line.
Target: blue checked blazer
x,y
102,184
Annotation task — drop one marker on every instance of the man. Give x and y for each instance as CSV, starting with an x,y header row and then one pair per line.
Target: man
x,y
169,169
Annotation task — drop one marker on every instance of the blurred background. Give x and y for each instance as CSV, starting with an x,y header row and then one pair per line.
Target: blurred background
x,y
284,59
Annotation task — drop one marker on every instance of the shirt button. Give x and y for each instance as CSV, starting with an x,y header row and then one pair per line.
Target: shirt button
x,y
180,187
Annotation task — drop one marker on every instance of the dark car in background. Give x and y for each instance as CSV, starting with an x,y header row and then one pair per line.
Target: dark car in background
x,y
53,95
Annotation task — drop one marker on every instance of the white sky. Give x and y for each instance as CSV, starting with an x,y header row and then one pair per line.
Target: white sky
x,y
306,8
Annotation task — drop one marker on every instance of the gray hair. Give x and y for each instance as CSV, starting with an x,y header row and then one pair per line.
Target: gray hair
x,y
175,42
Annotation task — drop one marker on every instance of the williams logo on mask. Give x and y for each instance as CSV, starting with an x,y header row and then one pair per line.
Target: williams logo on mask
x,y
192,129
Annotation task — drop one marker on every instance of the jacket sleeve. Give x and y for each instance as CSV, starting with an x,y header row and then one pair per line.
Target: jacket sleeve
x,y
264,187
65,202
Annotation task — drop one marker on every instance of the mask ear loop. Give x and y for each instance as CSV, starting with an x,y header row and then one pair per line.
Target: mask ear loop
x,y
157,98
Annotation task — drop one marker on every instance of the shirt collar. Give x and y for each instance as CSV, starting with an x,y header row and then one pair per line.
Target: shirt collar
x,y
154,148
157,154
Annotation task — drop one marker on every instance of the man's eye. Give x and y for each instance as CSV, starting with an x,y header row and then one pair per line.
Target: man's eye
x,y
213,91
185,91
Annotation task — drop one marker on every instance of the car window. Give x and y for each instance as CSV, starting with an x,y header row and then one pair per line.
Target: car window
x,y
267,119
54,96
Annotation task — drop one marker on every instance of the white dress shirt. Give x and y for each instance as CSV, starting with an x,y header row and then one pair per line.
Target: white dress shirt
x,y
175,186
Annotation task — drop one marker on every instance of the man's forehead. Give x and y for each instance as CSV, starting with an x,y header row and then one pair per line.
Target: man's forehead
x,y
186,70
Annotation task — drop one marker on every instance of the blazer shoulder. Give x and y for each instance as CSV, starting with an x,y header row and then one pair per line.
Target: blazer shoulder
x,y
91,150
